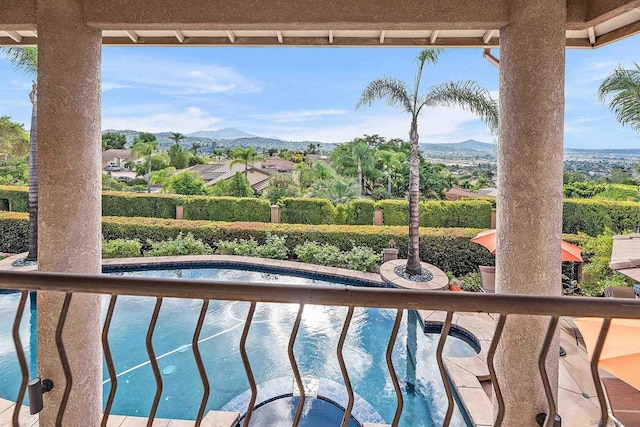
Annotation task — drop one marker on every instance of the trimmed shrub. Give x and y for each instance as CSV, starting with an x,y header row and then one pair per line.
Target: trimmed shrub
x,y
594,216
14,229
395,212
117,203
360,212
274,247
18,197
362,258
181,245
231,209
461,213
301,210
449,249
314,253
121,248
471,282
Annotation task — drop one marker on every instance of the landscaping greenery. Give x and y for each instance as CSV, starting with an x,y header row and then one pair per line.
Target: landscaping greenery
x,y
467,95
597,273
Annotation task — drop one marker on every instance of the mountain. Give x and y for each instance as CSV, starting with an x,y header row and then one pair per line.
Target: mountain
x,y
470,145
226,133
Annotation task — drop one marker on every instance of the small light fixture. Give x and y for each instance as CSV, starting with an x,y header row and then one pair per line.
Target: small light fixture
x,y
36,388
541,417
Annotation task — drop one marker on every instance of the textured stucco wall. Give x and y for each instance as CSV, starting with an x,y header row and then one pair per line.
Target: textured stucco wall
x,y
530,154
69,203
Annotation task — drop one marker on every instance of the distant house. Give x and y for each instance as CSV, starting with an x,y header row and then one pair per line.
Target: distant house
x,y
277,164
461,193
114,160
312,158
214,173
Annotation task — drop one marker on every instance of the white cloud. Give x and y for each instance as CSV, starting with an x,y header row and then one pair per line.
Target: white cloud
x,y
437,125
112,85
173,77
190,120
299,115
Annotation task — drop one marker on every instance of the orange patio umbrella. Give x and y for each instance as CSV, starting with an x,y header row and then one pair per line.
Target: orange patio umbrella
x,y
487,239
621,352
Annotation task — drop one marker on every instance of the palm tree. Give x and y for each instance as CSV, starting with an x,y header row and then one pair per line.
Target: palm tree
x,y
25,59
145,149
391,162
176,137
468,95
359,160
622,90
195,148
162,177
338,189
245,156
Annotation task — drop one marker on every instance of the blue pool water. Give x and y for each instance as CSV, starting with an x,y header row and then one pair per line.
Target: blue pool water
x,y
364,351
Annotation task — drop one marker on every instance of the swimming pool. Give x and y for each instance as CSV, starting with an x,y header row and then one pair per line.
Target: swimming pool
x,y
364,352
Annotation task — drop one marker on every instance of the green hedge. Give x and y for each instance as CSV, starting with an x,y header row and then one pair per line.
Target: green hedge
x,y
448,248
462,213
119,203
232,209
301,210
593,216
360,212
18,197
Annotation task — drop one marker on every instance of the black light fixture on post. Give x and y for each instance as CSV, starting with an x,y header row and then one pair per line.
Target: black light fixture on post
x,y
36,388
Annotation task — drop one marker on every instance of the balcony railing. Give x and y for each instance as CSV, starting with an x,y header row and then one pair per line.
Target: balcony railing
x,y
504,305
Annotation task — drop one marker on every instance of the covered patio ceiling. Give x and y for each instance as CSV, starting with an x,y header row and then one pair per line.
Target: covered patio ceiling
x,y
453,23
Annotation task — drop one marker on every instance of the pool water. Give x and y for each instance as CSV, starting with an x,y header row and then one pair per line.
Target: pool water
x,y
315,350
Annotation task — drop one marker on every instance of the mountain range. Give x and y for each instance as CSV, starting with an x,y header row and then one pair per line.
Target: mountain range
x,y
232,138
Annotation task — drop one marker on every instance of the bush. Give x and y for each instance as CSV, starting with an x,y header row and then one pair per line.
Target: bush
x,y
362,258
582,190
395,212
597,273
274,247
300,210
593,217
314,253
461,213
449,249
360,212
471,282
18,197
121,248
181,245
232,209
136,205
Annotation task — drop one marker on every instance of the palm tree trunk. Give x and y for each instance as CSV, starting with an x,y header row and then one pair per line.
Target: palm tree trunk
x,y
360,175
413,255
33,177
389,185
149,175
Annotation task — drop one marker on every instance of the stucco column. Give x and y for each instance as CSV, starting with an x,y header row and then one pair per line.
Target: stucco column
x,y
70,203
532,58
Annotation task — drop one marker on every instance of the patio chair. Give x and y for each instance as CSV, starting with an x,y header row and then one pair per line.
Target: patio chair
x,y
488,276
618,292
624,401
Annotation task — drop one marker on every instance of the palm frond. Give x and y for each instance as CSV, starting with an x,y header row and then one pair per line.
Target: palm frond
x,y
431,55
23,59
467,95
622,91
389,89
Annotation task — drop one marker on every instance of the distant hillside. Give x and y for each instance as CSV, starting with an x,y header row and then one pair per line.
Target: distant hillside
x,y
465,146
604,152
222,134
208,144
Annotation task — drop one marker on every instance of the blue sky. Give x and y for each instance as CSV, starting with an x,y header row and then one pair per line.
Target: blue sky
x,y
310,93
